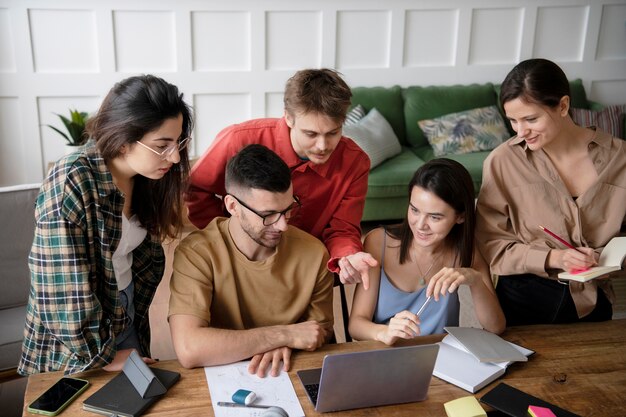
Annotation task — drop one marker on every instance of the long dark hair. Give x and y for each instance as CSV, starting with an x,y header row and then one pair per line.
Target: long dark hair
x,y
450,181
536,80
134,107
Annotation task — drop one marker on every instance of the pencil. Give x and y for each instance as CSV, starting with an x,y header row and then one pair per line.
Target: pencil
x,y
229,404
563,241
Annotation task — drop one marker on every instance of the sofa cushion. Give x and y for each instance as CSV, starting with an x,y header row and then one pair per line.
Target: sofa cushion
x,y
389,103
375,136
473,162
385,209
391,178
354,115
578,96
422,103
608,119
468,131
387,192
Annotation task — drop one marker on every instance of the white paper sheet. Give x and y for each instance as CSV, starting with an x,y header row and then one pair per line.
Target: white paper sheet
x,y
224,380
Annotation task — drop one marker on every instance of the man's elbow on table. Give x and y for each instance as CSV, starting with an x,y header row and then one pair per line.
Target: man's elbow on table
x,y
186,341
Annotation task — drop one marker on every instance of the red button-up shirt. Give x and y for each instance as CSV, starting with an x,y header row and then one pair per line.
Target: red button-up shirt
x,y
332,194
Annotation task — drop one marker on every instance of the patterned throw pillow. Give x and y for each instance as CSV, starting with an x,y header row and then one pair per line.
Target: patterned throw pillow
x,y
609,119
354,115
375,136
468,131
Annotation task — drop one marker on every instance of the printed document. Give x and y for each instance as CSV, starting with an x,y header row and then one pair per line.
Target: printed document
x,y
224,380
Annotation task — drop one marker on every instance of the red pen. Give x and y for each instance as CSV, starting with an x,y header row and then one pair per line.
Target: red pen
x,y
566,243
563,241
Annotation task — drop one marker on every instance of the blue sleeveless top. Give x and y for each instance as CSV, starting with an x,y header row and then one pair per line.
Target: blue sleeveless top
x,y
391,301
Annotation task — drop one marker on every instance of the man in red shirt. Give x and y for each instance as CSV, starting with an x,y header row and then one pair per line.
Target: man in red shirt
x,y
329,171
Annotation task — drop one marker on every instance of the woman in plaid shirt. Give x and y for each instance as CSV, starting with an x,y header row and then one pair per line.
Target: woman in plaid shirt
x,y
101,215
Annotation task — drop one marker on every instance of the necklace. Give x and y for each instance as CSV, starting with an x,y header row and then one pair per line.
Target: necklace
x,y
422,280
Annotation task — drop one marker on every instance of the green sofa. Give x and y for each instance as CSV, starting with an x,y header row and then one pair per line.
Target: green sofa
x,y
387,194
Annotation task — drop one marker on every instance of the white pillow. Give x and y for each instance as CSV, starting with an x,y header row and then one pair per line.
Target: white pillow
x,y
354,115
374,135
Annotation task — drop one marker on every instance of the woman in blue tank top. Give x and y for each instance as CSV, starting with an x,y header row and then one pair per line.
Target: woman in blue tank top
x,y
431,253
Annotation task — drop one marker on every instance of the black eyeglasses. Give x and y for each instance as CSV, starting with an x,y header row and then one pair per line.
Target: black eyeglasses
x,y
274,217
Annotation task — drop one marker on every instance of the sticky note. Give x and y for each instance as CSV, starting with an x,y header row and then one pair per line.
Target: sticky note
x,y
536,411
464,407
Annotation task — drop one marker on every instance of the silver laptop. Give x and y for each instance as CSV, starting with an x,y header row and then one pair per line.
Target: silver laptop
x,y
371,378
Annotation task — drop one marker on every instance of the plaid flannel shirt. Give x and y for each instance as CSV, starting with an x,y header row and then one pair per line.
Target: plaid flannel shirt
x,y
74,310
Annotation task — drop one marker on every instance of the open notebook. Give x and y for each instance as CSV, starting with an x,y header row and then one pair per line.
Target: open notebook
x,y
456,365
611,259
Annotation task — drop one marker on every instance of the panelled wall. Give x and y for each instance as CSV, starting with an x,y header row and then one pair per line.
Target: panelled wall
x,y
232,58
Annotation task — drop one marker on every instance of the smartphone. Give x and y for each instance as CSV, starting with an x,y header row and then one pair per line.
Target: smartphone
x,y
58,396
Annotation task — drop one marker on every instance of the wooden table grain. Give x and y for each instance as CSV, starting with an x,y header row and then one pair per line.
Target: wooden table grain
x,y
579,367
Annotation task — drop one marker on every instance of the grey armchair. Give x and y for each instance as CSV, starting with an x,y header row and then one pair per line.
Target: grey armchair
x,y
17,228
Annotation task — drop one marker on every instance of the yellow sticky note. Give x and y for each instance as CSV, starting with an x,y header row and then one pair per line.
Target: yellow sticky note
x,y
464,407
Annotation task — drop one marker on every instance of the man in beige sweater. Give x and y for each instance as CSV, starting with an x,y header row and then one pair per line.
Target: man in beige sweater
x,y
251,286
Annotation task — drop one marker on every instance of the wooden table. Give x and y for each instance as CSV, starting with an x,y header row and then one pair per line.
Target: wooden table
x,y
590,356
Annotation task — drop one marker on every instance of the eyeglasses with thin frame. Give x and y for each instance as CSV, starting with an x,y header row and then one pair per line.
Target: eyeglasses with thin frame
x,y
169,150
274,217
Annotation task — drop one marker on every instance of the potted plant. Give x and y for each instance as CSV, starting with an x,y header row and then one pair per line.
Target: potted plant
x,y
75,126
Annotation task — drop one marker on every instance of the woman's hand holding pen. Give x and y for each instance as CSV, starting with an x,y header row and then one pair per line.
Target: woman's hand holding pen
x,y
572,260
404,325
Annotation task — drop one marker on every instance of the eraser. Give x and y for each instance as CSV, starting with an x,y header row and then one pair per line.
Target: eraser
x,y
537,411
243,396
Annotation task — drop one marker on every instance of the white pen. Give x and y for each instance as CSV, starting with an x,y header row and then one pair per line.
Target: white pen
x,y
421,310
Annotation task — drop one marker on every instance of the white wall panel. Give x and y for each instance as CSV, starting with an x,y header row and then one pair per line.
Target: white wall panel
x,y
213,113
53,144
560,32
612,42
221,41
145,41
492,40
293,40
7,51
609,91
232,59
12,144
430,37
274,105
363,39
64,40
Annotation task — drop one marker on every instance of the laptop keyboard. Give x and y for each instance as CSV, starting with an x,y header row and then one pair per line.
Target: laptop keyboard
x,y
312,390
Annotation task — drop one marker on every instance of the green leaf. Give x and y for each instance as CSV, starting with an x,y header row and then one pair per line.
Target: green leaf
x,y
60,133
75,126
